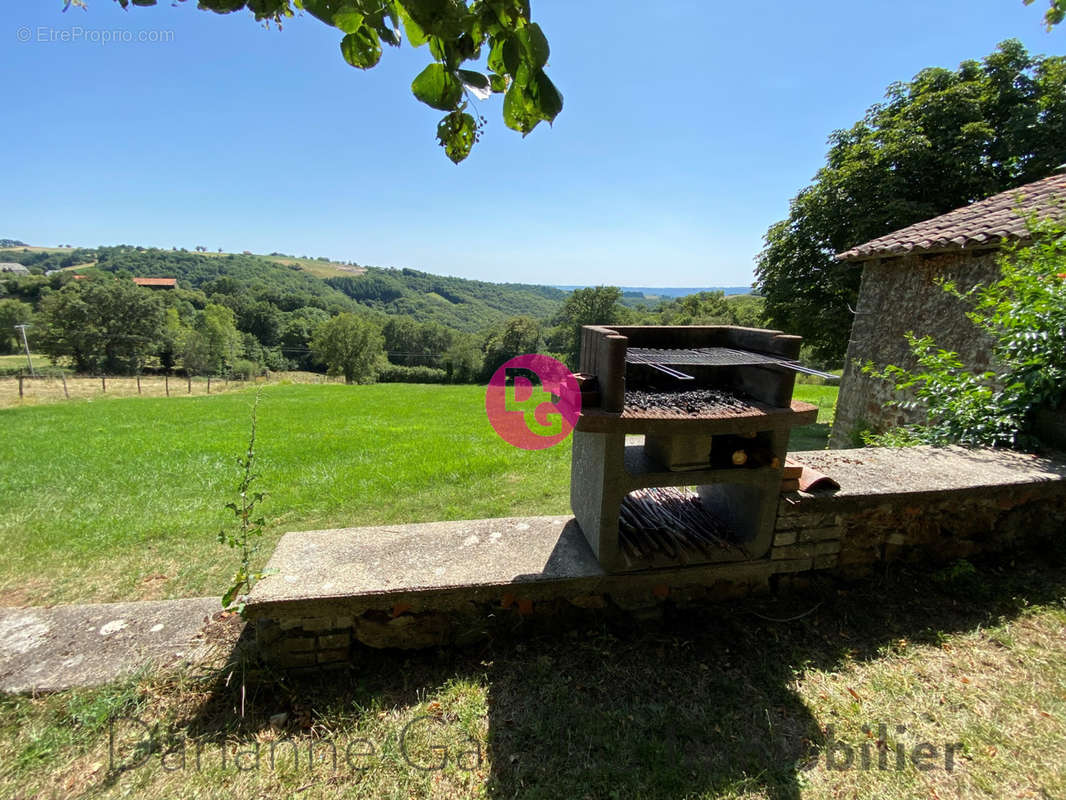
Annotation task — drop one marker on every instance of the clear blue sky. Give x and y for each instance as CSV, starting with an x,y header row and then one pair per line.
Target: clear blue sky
x,y
687,128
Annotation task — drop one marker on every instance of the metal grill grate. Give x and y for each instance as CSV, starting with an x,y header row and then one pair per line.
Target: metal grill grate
x,y
664,359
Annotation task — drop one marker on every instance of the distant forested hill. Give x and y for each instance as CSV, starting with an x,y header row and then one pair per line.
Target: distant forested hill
x,y
246,312
457,303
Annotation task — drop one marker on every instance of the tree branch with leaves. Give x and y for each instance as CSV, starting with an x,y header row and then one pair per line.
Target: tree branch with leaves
x,y
458,34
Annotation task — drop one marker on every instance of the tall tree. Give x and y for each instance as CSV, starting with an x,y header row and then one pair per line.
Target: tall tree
x,y
350,346
12,313
518,336
213,343
938,142
593,305
102,325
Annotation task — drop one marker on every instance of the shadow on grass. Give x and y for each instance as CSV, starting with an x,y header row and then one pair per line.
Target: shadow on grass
x,y
696,702
809,437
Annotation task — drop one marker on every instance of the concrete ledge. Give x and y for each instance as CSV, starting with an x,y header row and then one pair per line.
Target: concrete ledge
x,y
427,584
447,565
876,475
51,649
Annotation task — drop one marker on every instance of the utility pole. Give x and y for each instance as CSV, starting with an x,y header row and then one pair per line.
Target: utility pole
x,y
22,329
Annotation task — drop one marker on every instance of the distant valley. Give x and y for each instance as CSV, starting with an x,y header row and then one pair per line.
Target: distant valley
x,y
655,292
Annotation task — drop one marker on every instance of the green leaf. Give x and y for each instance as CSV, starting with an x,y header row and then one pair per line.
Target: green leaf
x,y
362,48
535,44
437,87
348,19
496,62
457,133
322,9
518,110
511,53
447,19
527,103
498,82
231,594
546,98
415,35
476,83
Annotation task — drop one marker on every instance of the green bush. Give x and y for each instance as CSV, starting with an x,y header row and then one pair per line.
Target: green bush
x,y
1024,313
394,373
244,370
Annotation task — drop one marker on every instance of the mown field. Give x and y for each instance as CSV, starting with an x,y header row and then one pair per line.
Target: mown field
x,y
122,498
110,498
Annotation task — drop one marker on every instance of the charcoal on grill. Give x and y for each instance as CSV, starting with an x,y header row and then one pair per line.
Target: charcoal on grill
x,y
694,401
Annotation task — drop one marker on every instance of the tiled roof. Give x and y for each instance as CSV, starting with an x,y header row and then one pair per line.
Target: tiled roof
x,y
156,281
980,224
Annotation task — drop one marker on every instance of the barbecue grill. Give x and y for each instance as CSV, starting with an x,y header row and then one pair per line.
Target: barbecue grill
x,y
714,405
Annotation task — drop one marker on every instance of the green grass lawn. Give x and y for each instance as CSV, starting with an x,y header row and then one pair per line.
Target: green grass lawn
x,y
816,436
122,498
18,360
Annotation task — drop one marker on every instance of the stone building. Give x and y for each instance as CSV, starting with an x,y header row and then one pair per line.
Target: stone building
x,y
900,293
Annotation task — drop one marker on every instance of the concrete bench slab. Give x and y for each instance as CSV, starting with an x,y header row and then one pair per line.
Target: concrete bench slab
x,y
51,649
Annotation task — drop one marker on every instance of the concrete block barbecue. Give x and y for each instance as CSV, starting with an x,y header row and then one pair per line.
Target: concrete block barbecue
x,y
714,404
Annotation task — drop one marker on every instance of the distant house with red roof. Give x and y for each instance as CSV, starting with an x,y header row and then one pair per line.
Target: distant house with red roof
x,y
157,283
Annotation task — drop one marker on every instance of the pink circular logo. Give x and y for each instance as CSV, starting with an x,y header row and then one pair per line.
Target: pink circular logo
x,y
533,402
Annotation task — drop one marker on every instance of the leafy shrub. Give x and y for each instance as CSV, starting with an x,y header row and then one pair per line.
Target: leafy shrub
x,y
1024,313
394,373
244,370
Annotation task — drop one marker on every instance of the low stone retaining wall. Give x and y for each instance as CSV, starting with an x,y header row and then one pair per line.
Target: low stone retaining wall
x,y
426,584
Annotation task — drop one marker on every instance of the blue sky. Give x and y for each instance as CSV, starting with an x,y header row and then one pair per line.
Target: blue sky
x,y
687,127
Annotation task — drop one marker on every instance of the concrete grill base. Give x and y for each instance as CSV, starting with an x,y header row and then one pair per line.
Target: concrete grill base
x,y
427,584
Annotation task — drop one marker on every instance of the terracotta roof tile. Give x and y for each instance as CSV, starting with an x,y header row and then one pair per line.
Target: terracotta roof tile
x,y
156,281
985,222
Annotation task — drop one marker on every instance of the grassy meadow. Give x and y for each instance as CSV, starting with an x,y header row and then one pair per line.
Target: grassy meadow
x,y
109,498
121,499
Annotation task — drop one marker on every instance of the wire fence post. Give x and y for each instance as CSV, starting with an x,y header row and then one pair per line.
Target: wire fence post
x,y
166,384
20,387
138,384
66,394
103,383
209,384
188,381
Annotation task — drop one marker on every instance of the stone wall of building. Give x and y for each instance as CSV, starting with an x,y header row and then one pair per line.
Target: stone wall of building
x,y
900,295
